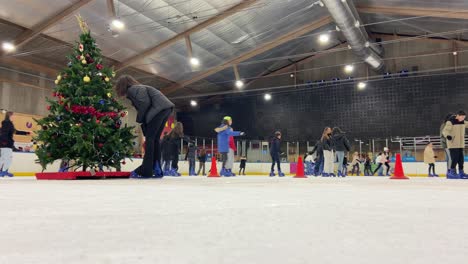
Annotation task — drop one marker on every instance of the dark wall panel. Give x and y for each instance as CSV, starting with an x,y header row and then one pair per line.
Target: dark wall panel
x,y
407,106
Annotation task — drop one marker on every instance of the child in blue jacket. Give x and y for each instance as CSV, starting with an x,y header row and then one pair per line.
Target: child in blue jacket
x,y
224,131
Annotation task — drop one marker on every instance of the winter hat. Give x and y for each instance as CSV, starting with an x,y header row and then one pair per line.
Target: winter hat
x,y
386,149
227,118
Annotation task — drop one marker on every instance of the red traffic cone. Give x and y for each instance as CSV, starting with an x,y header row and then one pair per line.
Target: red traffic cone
x,y
300,169
399,173
214,168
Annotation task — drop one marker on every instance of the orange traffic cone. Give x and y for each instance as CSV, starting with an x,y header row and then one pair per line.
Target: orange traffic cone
x,y
300,169
399,173
214,168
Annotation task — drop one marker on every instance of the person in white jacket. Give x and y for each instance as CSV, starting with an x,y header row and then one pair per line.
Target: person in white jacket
x,y
380,160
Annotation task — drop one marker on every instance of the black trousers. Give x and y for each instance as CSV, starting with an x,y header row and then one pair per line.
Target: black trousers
x,y
275,158
152,132
388,167
458,157
431,166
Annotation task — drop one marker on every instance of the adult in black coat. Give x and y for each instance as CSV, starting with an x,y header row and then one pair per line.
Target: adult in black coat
x,y
275,152
7,144
341,146
153,110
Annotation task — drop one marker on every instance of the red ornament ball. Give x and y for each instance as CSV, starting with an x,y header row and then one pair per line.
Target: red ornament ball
x,y
48,107
123,162
99,66
100,145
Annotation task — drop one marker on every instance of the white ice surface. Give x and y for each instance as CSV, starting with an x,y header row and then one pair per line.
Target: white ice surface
x,y
239,220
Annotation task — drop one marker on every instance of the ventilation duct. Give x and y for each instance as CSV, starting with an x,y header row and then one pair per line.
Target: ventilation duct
x,y
347,20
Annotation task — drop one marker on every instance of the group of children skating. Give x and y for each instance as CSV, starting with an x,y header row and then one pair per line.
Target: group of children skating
x,y
314,166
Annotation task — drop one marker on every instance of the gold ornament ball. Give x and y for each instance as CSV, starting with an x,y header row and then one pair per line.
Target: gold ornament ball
x,y
113,74
82,57
83,61
109,95
56,81
86,79
107,79
59,77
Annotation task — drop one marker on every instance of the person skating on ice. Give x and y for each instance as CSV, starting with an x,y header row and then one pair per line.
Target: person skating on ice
x,y
224,132
341,146
202,161
176,137
243,163
328,157
190,156
153,110
7,144
429,158
387,160
275,152
454,131
443,142
380,160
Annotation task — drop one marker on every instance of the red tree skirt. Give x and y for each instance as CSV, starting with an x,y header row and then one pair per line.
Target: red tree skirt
x,y
81,175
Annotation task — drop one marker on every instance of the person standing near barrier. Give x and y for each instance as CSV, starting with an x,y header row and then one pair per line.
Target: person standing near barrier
x,y
429,158
318,149
328,157
387,160
7,144
243,162
275,152
355,163
443,142
202,161
454,131
341,146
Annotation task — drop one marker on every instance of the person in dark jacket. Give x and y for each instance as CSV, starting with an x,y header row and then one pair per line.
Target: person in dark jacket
x,y
368,166
7,144
341,146
153,110
328,157
318,168
176,137
275,152
190,156
202,161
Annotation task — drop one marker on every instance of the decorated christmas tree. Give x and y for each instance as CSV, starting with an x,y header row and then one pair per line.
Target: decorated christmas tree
x,y
84,125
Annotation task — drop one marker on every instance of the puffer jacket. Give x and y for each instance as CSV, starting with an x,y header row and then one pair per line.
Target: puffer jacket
x,y
429,156
148,102
341,142
454,131
223,138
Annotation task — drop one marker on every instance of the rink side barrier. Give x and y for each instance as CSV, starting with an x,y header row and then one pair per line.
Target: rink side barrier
x,y
24,165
